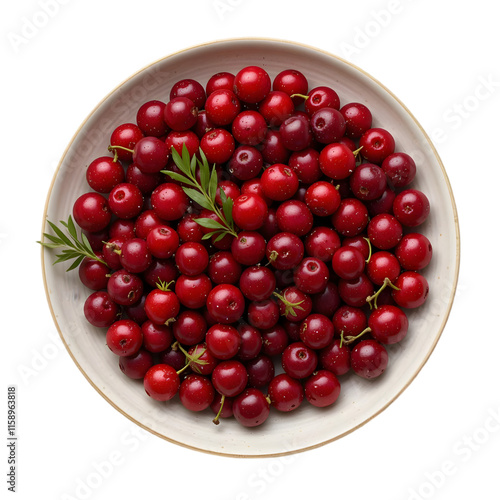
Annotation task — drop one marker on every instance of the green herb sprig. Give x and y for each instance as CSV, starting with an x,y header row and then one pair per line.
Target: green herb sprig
x,y
203,192
73,247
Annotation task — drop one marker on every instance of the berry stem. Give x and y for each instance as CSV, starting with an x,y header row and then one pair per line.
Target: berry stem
x,y
113,149
305,97
349,339
217,417
372,299
369,250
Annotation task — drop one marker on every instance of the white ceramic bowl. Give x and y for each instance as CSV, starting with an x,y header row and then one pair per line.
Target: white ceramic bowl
x,y
360,400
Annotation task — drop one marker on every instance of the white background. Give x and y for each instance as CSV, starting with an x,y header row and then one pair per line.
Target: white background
x,y
441,438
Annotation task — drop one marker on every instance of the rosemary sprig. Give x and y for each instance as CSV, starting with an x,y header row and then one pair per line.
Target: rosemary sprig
x,y
204,192
72,247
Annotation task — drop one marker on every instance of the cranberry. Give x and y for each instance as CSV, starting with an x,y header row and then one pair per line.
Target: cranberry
x,y
286,393
305,164
125,288
279,182
126,135
337,161
251,342
150,119
103,174
291,82
196,392
162,306
327,125
358,119
222,107
351,218
369,359
224,268
294,216
322,198
322,388
189,328
260,371
276,107
348,263
336,358
414,251
257,282
191,258
411,290
161,382
411,207
156,338
91,212
388,324
368,182
263,313
299,361
316,331
321,97
150,155
296,133
377,144
222,80
169,201
191,89
311,275
100,310
245,163
399,168
192,291
93,273
225,303
251,408
124,337
249,211
162,242
218,145
248,248
322,242
384,231
137,365
230,377
355,292
252,84
382,265
249,127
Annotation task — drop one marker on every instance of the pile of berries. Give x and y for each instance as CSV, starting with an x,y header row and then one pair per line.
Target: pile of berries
x,y
254,243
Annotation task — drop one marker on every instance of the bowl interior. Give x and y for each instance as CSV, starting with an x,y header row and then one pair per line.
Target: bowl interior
x,y
360,399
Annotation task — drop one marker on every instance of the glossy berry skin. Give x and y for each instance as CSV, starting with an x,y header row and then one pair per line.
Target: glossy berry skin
x,y
384,231
336,358
126,135
349,321
358,119
162,241
311,275
276,107
218,145
383,265
225,303
368,182
299,361
202,361
388,324
124,337
192,291
251,408
327,125
169,201
291,81
337,161
284,250
413,290
100,310
245,163
249,127
279,182
355,292
224,268
328,301
377,144
322,198
191,258
411,207
252,84
274,340
316,331
263,314
305,164
103,174
322,242
135,256
399,168
161,382
249,211
93,273
230,378
192,89
248,248
301,304
196,392
223,341
296,133
351,218
321,97
150,155
322,388
348,263
91,212
222,107
369,359
260,370
286,393
294,216
150,118
137,365
190,327
162,306
221,80
180,113
414,251
257,282
156,338
125,288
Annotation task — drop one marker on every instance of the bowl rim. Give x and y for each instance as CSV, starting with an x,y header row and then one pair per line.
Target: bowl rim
x,y
409,114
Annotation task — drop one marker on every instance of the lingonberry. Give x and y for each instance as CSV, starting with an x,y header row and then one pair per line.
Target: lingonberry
x,y
230,378
100,310
137,365
91,212
327,125
252,84
161,382
322,198
411,207
191,258
411,289
286,393
251,408
249,211
103,174
150,118
156,338
292,82
190,327
192,89
249,127
223,341
376,145
248,248
124,337
299,361
388,324
414,251
399,168
369,359
336,358
322,388
285,250
225,303
348,263
384,231
251,341
316,331
126,135
169,201
305,164
192,291
245,163
321,97
196,392
279,182
337,161
358,119
257,282
162,305
125,288
322,242
260,370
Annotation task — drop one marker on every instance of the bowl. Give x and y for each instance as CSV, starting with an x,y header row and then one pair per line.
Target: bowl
x,y
360,400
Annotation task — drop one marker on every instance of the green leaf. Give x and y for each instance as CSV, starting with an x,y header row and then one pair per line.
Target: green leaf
x,y
220,236
179,177
227,208
178,160
59,233
198,198
76,263
212,187
204,174
210,223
